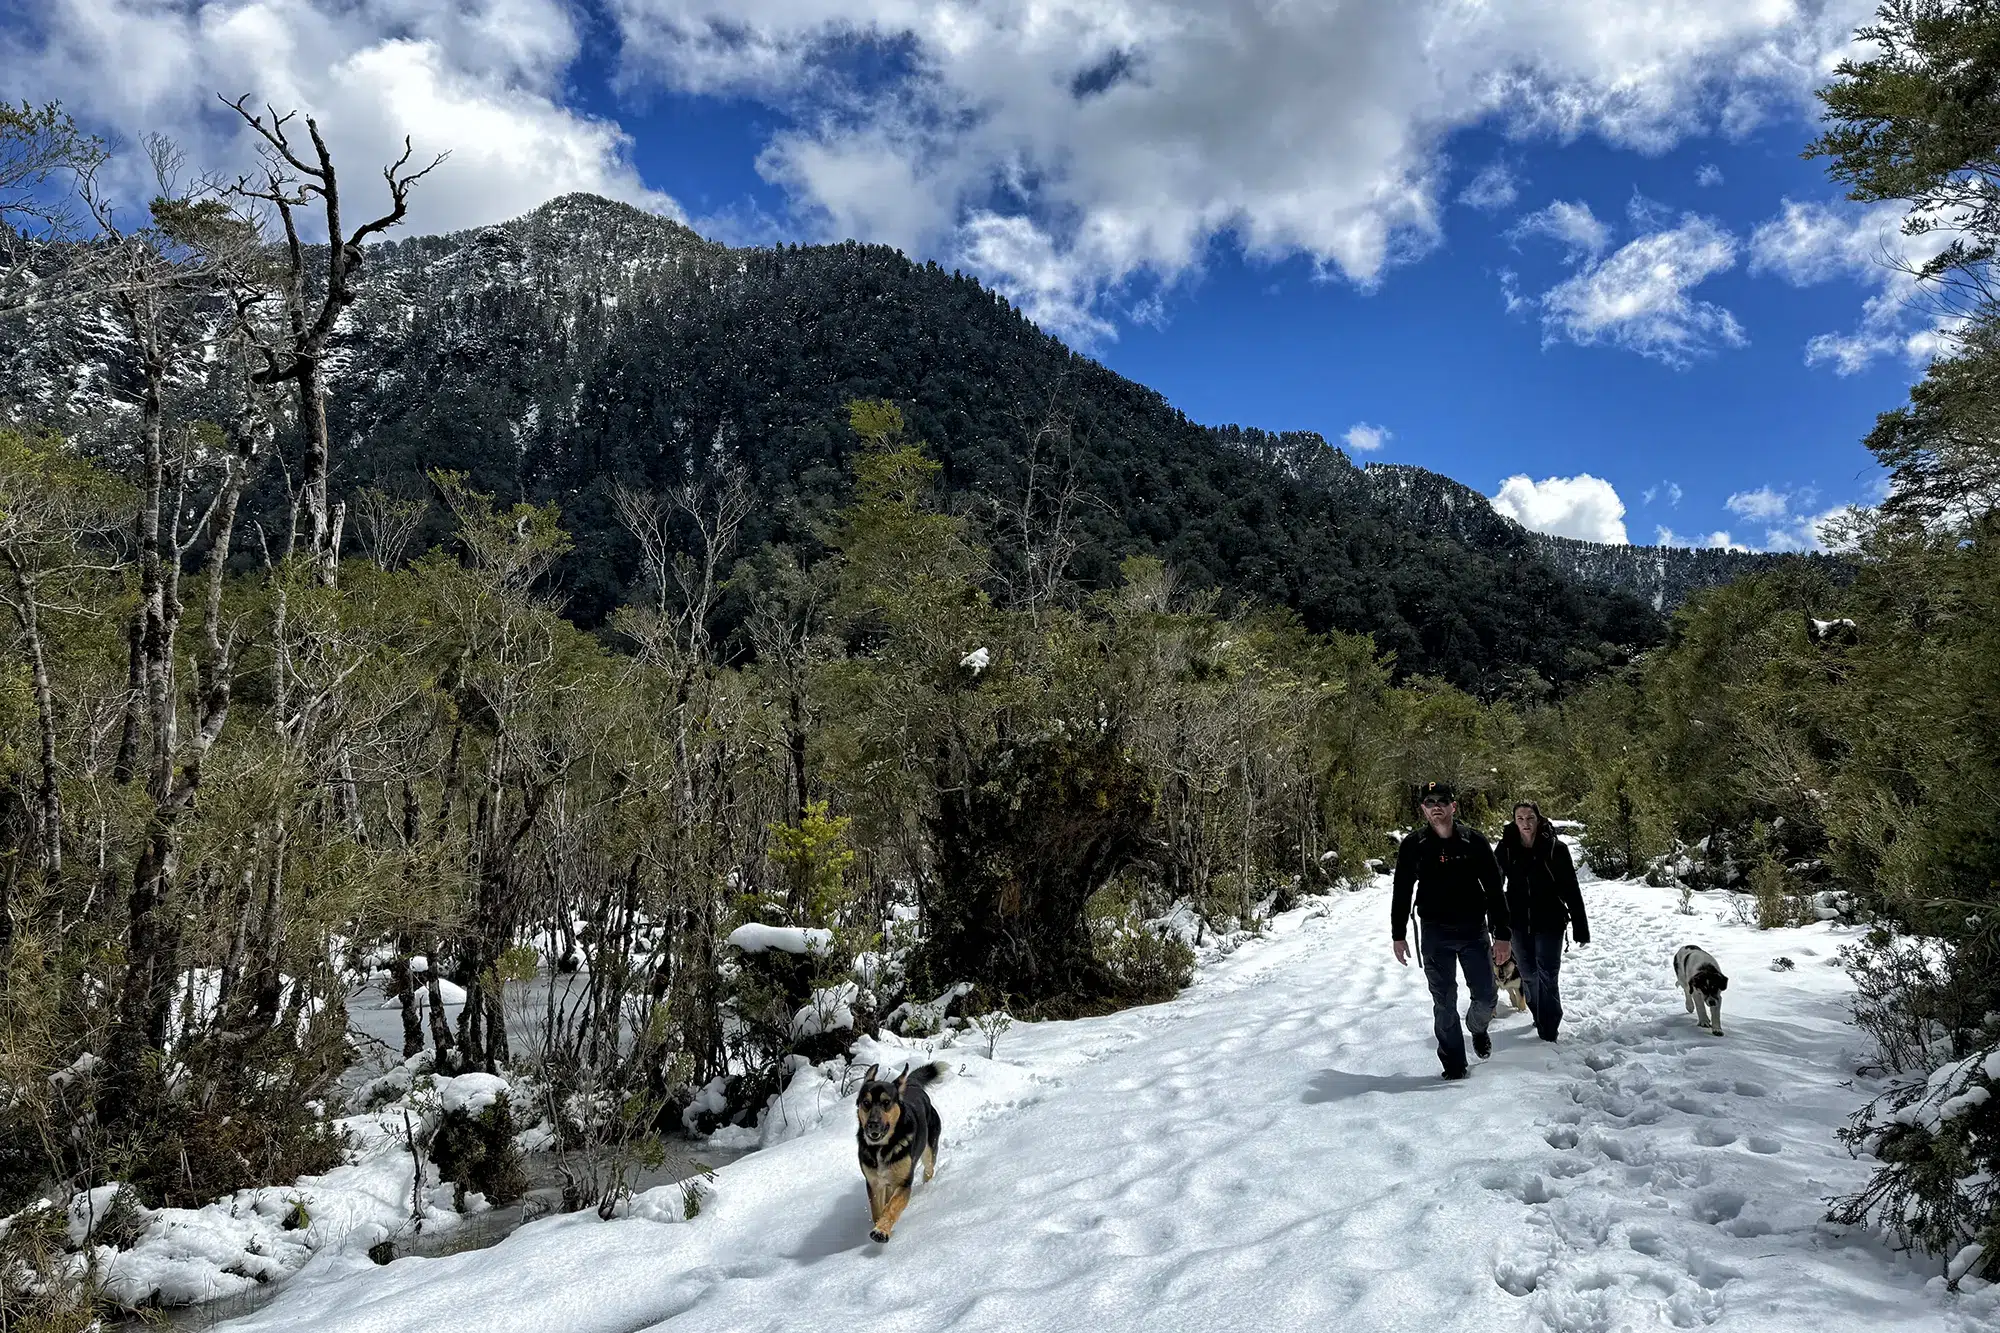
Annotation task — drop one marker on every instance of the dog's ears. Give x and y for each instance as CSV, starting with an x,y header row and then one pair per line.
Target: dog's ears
x,y
869,1077
904,1081
1721,982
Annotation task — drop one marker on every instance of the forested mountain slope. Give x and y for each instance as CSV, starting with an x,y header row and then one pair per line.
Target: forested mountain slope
x,y
589,344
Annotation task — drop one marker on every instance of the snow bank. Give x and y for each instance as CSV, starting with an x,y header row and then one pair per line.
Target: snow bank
x,y
831,1010
471,1093
754,938
186,1255
920,1018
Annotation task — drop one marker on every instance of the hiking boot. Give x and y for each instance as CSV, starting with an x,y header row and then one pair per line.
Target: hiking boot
x,y
1482,1045
1454,1073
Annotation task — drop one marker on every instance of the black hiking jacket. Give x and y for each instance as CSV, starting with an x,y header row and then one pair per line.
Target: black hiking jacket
x,y
1542,894
1456,879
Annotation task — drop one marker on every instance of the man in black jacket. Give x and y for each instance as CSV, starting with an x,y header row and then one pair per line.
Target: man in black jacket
x,y
1457,884
1542,898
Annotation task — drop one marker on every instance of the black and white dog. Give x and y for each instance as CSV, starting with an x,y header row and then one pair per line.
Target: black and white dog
x,y
1702,983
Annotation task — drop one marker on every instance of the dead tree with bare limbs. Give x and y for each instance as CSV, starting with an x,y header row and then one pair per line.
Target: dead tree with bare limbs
x,y
198,236
294,181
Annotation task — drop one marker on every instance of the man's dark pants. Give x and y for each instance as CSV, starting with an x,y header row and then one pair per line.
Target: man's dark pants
x,y
1446,949
1539,954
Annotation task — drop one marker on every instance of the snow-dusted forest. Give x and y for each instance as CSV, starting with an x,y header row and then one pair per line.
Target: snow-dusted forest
x,y
500,731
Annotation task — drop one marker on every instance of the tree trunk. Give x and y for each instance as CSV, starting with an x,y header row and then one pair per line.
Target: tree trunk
x,y
48,794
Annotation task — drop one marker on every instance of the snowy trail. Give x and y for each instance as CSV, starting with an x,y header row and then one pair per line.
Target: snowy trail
x,y
1274,1150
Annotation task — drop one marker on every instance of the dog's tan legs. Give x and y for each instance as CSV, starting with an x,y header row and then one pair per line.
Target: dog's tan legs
x,y
898,1200
930,1162
1688,995
1715,1015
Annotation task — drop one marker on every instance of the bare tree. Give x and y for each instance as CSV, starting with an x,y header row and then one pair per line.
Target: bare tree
x,y
154,295
52,507
685,583
295,180
1041,522
388,523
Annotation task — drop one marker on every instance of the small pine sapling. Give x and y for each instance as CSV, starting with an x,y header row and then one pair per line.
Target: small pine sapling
x,y
694,1193
990,1025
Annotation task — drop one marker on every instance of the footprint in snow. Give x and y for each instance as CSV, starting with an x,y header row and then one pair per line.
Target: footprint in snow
x,y
1646,1241
1718,1206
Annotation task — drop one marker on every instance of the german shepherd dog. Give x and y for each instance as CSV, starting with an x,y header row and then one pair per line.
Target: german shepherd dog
x,y
898,1128
1508,975
1702,983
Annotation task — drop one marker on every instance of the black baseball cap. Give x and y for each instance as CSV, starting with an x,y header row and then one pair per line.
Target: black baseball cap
x,y
1436,791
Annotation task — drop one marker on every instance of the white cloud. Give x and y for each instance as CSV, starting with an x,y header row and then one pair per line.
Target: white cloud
x,y
1802,532
1134,133
1759,505
1572,224
1492,189
1637,297
1790,519
1674,493
1366,439
1808,243
1582,506
1708,174
1053,289
1720,541
484,79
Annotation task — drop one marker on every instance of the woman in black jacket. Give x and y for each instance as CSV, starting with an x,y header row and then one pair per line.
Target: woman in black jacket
x,y
1542,899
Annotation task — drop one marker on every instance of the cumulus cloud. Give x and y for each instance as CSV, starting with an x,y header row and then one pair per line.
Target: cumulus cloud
x,y
1132,135
1572,225
1720,540
1582,506
1492,189
1366,439
484,79
1638,296
1808,243
1792,519
1759,505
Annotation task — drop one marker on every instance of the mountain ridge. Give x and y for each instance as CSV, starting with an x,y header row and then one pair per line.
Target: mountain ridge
x,y
588,343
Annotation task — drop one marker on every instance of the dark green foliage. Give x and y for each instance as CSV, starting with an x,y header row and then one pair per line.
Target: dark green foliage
x,y
1021,848
184,1154
1143,964
1935,1141
477,1153
1943,449
1919,121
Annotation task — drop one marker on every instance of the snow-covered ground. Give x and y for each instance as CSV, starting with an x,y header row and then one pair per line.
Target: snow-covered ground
x,y
1274,1150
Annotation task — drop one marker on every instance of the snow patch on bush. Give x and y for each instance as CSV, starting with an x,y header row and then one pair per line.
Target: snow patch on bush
x,y
755,938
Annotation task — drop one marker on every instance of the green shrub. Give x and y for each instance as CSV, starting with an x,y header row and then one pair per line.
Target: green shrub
x,y
43,1287
477,1153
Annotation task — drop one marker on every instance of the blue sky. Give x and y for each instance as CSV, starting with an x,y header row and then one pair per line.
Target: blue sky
x,y
1562,250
